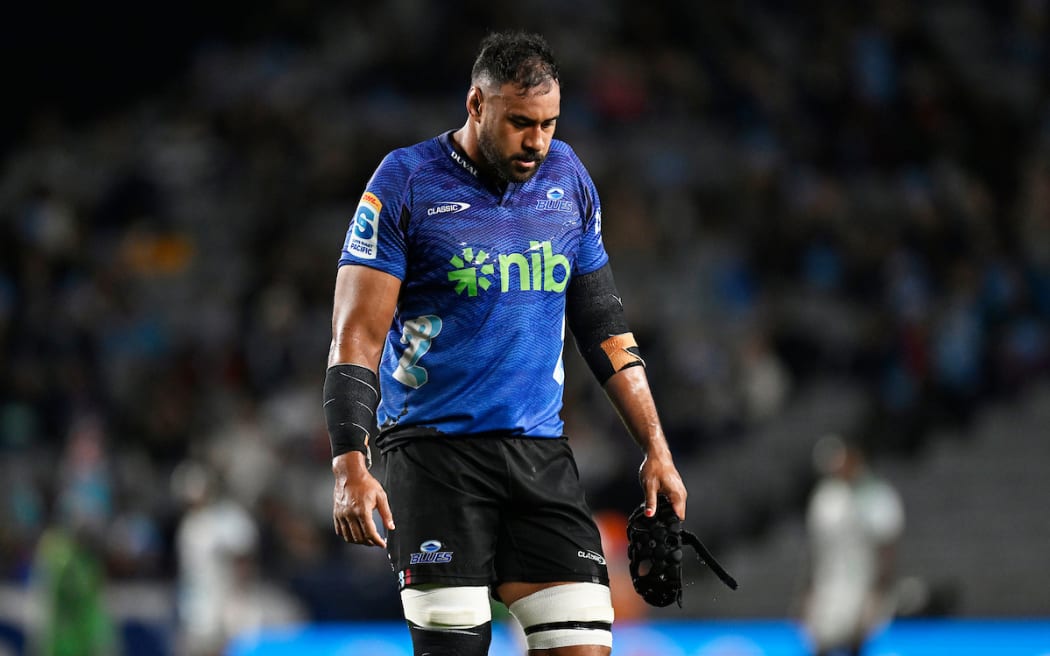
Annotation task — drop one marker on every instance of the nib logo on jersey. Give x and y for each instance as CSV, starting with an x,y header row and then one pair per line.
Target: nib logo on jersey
x,y
430,552
539,269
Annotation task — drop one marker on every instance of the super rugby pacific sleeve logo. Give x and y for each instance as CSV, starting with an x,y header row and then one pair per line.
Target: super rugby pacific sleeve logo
x,y
363,236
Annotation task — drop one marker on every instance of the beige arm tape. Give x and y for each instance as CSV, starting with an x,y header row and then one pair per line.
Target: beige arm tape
x,y
615,348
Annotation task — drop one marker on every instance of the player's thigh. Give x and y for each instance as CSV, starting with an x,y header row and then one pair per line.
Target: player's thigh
x,y
548,533
444,501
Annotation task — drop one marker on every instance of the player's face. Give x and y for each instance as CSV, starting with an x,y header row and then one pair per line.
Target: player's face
x,y
516,130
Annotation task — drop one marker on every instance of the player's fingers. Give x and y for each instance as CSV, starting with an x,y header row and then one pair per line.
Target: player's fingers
x,y
675,492
384,512
650,500
343,529
370,533
679,506
650,486
356,535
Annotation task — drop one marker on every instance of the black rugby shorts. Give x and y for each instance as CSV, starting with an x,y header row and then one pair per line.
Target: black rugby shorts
x,y
489,510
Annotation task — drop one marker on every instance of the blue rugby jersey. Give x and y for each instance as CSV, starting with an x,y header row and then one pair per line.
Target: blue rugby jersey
x,y
476,344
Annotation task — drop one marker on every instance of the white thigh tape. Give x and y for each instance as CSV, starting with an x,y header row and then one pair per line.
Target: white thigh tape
x,y
447,608
566,615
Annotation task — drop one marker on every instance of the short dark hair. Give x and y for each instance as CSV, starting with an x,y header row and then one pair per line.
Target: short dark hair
x,y
516,57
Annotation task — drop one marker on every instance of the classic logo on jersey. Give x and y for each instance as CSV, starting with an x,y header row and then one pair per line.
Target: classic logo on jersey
x,y
556,201
450,207
430,552
539,269
363,237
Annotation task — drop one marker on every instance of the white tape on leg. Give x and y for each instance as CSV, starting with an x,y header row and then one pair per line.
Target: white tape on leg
x,y
566,615
448,607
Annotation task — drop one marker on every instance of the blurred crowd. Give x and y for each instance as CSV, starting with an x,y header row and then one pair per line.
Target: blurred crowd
x,y
790,190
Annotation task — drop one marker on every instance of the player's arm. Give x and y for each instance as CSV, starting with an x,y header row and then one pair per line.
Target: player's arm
x,y
365,299
628,389
595,316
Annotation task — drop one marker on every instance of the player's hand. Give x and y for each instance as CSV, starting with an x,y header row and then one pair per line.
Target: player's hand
x,y
357,493
658,475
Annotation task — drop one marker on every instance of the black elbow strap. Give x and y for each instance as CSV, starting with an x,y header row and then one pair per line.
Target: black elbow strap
x,y
595,315
351,394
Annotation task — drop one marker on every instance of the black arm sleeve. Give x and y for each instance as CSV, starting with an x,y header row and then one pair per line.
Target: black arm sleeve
x,y
595,315
351,394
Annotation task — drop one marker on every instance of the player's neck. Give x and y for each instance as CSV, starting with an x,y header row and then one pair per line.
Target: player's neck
x,y
465,140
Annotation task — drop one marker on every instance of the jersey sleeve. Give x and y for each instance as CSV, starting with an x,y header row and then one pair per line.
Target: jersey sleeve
x,y
592,255
375,236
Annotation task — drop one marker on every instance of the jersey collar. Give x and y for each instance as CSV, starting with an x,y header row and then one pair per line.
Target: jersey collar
x,y
461,160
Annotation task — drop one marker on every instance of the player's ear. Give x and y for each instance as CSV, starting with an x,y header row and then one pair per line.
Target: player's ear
x,y
474,103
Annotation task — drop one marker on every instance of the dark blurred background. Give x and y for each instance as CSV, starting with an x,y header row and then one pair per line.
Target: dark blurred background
x,y
824,217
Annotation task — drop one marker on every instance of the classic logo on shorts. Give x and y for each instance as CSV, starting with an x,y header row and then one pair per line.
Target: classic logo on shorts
x,y
430,552
362,238
539,269
556,201
590,555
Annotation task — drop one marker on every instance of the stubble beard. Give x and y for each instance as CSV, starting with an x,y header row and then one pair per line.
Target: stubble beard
x,y
503,167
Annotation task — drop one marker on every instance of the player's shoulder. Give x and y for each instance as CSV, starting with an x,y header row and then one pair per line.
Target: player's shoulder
x,y
411,158
565,160
562,150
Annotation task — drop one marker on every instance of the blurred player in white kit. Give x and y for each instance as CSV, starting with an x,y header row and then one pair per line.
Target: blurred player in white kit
x,y
854,521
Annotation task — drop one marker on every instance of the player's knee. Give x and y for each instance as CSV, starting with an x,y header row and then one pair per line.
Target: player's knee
x,y
566,616
448,621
